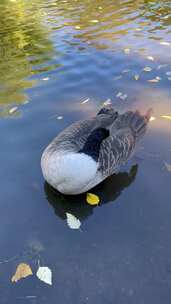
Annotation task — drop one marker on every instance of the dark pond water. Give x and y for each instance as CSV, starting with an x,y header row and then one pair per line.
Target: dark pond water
x,y
54,55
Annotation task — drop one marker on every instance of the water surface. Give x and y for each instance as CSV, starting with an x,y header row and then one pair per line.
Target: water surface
x,y
54,56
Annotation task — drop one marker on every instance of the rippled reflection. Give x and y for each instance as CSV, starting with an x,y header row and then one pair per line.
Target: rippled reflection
x,y
34,33
24,44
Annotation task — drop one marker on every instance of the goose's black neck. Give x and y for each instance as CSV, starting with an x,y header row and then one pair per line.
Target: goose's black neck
x,y
93,143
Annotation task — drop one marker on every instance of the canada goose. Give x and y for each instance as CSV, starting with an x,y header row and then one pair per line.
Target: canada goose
x,y
88,151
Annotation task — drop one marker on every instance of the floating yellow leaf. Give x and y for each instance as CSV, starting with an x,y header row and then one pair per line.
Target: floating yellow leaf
x,y
13,110
166,117
168,166
92,199
23,270
77,27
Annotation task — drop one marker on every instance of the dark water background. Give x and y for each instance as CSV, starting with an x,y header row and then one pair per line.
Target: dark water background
x,y
53,56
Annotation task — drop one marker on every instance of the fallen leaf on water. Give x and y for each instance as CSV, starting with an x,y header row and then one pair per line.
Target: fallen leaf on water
x,y
100,7
84,101
136,77
152,118
23,270
166,117
13,110
60,117
45,78
122,96
153,80
127,51
94,21
77,27
138,29
92,199
44,274
165,43
168,166
72,221
147,69
150,58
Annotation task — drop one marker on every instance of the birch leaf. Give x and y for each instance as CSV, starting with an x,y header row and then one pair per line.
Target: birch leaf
x,y
150,58
147,69
23,270
72,221
165,43
44,274
13,110
168,166
92,199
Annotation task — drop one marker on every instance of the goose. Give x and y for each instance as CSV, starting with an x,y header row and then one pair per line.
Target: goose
x,y
88,151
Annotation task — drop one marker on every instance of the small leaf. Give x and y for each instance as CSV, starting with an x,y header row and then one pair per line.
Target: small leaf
x,y
23,270
45,78
136,77
92,199
153,80
72,221
13,110
166,117
85,101
127,51
44,274
165,43
60,117
147,69
94,21
122,96
150,58
77,27
168,166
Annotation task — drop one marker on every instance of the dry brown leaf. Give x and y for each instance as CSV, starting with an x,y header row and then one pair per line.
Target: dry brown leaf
x,y
23,270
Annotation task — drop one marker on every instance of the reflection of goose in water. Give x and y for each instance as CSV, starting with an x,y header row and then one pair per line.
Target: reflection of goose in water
x,y
108,191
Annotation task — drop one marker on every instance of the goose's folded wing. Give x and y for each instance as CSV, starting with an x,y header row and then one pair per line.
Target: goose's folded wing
x,y
75,136
115,151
